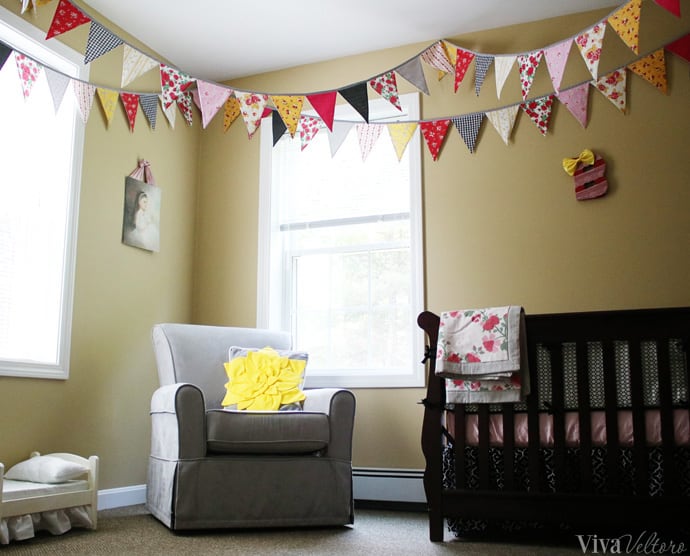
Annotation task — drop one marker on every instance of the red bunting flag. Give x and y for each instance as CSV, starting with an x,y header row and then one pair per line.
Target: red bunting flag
x,y
66,18
324,104
681,47
672,6
130,101
434,133
539,110
462,62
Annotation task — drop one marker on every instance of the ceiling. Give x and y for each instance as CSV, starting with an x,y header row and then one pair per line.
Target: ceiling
x,y
220,40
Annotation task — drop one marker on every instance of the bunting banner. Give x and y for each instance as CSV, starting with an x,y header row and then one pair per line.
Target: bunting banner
x,y
100,42
57,85
29,71
481,66
134,64
367,135
626,22
400,134
434,132
503,65
308,128
184,103
252,108
338,135
324,104
589,43
468,128
5,52
231,112
672,6
576,100
681,47
556,57
149,106
437,58
539,111
290,109
356,96
170,112
463,59
130,102
278,127
108,100
413,72
211,98
387,86
84,93
66,18
174,83
653,69
613,86
503,121
528,64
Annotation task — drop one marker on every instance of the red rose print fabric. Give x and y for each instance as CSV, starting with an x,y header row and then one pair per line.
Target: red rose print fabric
x,y
539,110
528,64
589,43
308,128
387,86
28,72
612,86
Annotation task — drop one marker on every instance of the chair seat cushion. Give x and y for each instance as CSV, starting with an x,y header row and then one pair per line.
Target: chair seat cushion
x,y
266,432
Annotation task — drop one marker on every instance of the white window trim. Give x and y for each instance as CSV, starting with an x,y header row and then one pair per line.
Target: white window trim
x,y
415,376
26,34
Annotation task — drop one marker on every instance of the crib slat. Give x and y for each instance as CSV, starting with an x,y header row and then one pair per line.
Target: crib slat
x,y
535,477
558,403
585,417
484,459
639,432
611,401
670,479
508,445
459,415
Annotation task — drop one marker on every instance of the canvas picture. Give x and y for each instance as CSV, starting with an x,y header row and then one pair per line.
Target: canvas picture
x,y
141,218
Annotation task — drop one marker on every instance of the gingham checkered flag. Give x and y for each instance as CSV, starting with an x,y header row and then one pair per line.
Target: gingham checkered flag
x,y
468,127
149,104
99,42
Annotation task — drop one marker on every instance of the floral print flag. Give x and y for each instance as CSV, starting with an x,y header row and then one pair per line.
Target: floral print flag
x,y
437,58
556,56
211,98
134,64
589,43
290,109
463,60
28,72
528,64
231,112
626,22
252,108
503,121
539,110
130,101
308,128
576,101
66,18
653,69
434,132
387,86
174,83
612,86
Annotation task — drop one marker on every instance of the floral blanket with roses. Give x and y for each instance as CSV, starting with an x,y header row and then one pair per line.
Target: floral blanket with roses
x,y
482,353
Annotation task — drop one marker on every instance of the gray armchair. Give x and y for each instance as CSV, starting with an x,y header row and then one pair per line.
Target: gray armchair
x,y
211,468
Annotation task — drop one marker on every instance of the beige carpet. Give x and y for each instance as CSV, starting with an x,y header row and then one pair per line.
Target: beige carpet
x,y
132,530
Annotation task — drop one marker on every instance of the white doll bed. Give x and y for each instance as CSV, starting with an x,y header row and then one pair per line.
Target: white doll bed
x,y
27,507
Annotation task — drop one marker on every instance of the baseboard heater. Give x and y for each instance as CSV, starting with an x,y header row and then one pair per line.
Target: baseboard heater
x,y
394,488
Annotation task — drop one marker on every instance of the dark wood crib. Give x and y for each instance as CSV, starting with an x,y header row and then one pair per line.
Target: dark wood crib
x,y
612,371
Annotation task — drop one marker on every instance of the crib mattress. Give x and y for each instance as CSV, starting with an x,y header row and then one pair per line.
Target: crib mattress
x,y
15,490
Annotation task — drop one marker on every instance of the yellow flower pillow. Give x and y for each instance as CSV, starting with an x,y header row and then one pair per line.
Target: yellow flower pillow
x,y
264,379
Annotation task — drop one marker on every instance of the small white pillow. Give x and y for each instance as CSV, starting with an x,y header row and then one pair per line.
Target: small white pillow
x,y
46,469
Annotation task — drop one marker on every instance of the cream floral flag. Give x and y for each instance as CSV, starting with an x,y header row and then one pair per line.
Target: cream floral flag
x,y
401,133
589,43
612,86
653,69
626,22
252,108
84,93
503,121
502,66
134,64
170,111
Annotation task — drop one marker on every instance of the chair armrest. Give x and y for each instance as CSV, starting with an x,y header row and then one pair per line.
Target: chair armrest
x,y
339,405
178,422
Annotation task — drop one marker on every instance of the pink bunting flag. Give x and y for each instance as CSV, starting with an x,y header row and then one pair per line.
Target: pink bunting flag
x,y
324,104
539,111
308,128
174,83
367,135
28,72
434,132
211,98
130,101
556,57
387,86
589,43
66,18
613,86
528,64
672,6
462,63
576,100
252,106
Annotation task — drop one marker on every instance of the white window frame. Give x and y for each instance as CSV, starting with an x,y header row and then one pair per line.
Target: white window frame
x,y
414,375
19,34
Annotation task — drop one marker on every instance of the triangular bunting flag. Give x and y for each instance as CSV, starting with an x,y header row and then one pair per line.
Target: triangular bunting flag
x,y
211,98
134,64
131,102
367,135
108,100
184,103
672,6
99,42
681,47
252,108
626,22
338,135
28,72
576,100
278,126
173,84
612,86
26,4
434,132
84,93
66,18
503,65
324,104
437,58
539,110
170,112
231,112
653,69
290,109
481,66
308,127
57,84
556,56
468,128
356,96
413,72
5,52
401,133
589,43
149,105
528,64
451,53
463,59
387,87
503,121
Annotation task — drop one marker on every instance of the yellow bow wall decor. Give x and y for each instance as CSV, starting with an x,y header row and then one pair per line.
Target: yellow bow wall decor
x,y
588,172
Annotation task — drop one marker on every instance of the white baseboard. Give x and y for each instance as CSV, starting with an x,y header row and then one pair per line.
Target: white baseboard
x,y
388,485
121,497
376,484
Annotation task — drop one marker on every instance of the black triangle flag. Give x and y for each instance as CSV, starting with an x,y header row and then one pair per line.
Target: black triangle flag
x,y
357,96
279,127
5,52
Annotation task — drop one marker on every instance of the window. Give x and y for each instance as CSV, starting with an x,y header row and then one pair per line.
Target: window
x,y
42,157
340,264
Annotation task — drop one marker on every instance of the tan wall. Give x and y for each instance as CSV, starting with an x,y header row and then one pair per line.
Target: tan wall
x,y
502,226
120,292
